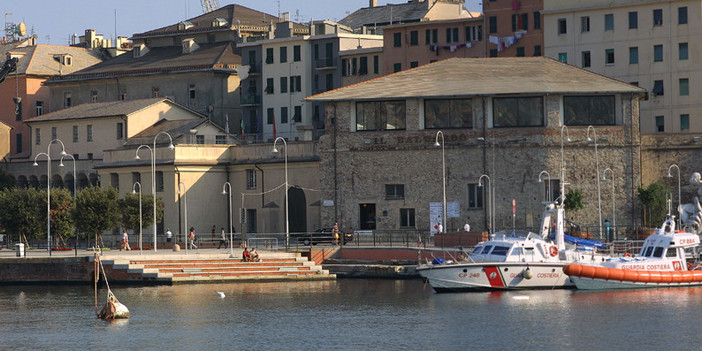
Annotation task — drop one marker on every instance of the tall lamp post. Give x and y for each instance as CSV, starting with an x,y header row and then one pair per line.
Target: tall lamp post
x,y
287,215
185,203
48,187
140,220
231,236
153,172
671,176
548,175
443,175
490,214
614,213
74,172
597,172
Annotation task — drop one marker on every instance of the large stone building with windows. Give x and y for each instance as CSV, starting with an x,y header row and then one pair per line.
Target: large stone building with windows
x,y
503,118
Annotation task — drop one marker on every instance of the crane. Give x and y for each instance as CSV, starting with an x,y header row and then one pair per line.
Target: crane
x,y
8,67
209,5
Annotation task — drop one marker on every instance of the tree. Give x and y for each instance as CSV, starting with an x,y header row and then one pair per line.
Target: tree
x,y
653,199
62,219
97,211
6,180
574,200
129,207
23,212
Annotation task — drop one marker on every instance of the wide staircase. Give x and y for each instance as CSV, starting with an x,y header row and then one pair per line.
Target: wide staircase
x,y
201,268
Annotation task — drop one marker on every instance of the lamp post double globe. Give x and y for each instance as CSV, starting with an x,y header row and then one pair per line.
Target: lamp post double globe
x,y
287,215
548,177
597,173
140,220
227,190
74,172
443,176
489,193
152,152
48,186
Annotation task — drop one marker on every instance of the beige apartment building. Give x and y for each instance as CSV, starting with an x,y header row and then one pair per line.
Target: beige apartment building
x,y
652,44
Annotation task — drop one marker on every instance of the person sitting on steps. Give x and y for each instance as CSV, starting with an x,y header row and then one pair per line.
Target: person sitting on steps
x,y
254,255
245,256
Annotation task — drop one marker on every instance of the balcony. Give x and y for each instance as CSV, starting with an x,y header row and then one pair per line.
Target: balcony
x,y
325,63
254,70
250,100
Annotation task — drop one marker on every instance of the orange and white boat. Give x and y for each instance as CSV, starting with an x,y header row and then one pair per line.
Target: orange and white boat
x,y
668,258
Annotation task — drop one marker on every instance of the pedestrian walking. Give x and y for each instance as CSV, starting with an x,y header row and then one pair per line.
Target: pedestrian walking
x,y
192,238
169,235
125,241
222,239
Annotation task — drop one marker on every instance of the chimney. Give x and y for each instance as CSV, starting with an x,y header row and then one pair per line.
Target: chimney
x,y
372,3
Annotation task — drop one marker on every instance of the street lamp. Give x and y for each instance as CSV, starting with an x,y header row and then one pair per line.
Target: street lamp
x,y
231,236
48,187
490,214
548,198
614,214
597,172
443,175
74,172
671,176
185,204
140,220
153,172
567,139
287,216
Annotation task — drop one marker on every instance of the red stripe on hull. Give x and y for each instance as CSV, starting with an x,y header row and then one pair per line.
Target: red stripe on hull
x,y
494,277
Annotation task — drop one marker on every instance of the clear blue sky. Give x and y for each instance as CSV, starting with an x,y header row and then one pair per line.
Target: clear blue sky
x,y
54,21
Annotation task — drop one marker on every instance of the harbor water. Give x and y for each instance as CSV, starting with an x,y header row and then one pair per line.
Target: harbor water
x,y
349,315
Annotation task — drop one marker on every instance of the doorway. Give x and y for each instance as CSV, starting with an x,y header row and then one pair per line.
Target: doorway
x,y
367,216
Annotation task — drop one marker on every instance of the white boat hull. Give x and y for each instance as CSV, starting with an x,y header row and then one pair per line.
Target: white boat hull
x,y
495,276
600,284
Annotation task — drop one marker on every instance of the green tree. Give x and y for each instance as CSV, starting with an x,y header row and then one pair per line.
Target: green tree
x,y
653,200
23,212
6,180
574,200
62,219
97,211
129,208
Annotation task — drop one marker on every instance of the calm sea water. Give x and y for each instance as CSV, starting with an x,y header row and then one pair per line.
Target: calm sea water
x,y
349,315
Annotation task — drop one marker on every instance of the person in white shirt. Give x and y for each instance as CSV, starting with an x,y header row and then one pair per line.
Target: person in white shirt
x,y
169,235
466,227
440,228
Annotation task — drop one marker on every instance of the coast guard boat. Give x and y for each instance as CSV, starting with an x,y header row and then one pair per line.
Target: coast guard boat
x,y
668,258
507,262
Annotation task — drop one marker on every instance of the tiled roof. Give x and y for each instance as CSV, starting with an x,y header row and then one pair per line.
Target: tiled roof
x,y
412,11
481,77
39,59
161,59
100,109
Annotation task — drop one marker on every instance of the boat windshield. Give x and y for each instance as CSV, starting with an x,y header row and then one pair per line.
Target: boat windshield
x,y
671,252
517,251
500,250
658,252
477,250
648,251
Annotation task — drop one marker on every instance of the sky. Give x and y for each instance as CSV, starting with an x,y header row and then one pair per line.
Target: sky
x,y
55,21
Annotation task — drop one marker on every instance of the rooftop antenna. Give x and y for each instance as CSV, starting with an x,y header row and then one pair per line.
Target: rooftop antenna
x,y
278,8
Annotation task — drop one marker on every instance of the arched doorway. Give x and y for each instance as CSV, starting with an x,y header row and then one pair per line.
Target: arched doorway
x,y
82,181
297,216
56,181
22,182
94,179
33,181
68,182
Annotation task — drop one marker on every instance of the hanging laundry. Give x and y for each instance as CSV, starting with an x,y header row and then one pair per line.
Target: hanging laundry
x,y
509,41
469,45
453,48
495,39
518,34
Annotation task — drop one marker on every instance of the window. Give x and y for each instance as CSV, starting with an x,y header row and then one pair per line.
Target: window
x,y
518,112
525,22
93,96
297,115
123,95
586,59
537,50
251,220
684,85
54,133
296,83
284,114
515,22
554,186
192,95
283,54
316,82
682,15
684,123
283,84
136,177
492,24
269,55
633,20
660,124
475,196
562,26
397,67
394,191
414,64
380,115
657,17
114,180
584,24
90,156
407,218
363,66
120,130
588,110
609,22
376,64
18,142
658,53
344,67
633,55
270,117
397,39
199,139
37,136
159,180
414,38
155,92
220,139
328,80
296,53
563,57
316,51
431,36
354,66
520,51
75,134
609,56
66,100
493,53
537,20
451,35
657,88
448,113
250,179
39,108
682,51
18,111
269,86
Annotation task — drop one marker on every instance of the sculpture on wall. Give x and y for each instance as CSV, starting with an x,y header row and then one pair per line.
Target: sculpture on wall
x,y
691,214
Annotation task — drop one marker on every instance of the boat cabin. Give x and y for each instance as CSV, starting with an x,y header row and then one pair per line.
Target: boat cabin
x,y
669,243
510,249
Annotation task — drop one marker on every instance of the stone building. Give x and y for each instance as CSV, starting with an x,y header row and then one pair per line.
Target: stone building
x,y
503,118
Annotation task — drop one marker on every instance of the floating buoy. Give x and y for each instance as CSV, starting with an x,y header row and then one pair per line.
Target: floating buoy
x,y
527,274
220,294
521,297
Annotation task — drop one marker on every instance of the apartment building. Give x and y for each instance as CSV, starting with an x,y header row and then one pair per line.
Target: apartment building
x,y
513,28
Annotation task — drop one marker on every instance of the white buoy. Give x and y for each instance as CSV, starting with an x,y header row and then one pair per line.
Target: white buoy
x,y
521,297
221,294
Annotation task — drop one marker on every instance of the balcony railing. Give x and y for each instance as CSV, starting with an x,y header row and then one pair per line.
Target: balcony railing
x,y
325,63
250,100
